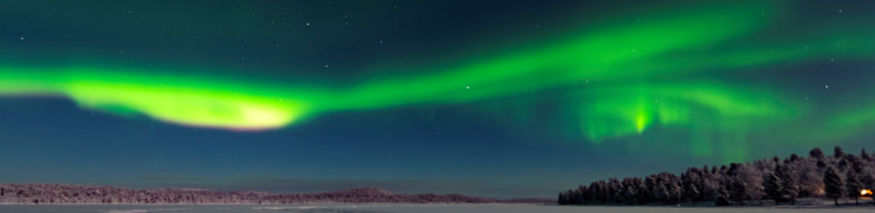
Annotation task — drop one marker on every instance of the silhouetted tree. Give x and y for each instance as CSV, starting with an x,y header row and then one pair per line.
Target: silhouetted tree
x,y
816,153
810,179
856,163
790,191
593,195
737,190
746,183
853,185
675,191
821,164
563,198
643,196
843,164
712,187
774,186
691,184
722,197
835,185
631,188
614,193
835,176
868,180
583,196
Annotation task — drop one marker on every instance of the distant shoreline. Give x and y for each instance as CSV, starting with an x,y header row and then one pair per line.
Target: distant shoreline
x,y
60,194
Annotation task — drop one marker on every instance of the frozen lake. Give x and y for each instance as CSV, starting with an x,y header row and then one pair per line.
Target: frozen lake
x,y
390,208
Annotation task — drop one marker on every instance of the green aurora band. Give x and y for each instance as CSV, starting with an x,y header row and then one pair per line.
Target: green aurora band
x,y
634,60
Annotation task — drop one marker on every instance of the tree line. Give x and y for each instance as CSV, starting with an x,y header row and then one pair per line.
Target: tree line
x,y
838,176
83,194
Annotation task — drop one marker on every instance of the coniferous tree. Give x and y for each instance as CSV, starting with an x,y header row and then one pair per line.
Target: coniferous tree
x,y
722,196
630,191
591,195
711,187
838,153
614,194
868,180
774,186
836,176
563,198
691,184
835,184
810,179
856,163
748,183
791,188
843,164
853,185
675,190
643,193
737,190
595,193
816,153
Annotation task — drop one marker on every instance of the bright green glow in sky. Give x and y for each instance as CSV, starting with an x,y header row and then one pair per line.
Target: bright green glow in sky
x,y
621,111
637,66
195,102
590,56
240,105
185,106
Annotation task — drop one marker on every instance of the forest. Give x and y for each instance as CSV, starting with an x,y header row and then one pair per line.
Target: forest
x,y
843,178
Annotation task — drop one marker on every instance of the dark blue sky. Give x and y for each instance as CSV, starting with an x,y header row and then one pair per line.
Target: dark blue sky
x,y
514,145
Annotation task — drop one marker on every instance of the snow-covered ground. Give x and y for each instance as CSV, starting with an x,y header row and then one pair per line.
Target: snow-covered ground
x,y
400,208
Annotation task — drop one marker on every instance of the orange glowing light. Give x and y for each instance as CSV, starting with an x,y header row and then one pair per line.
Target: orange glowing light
x,y
865,192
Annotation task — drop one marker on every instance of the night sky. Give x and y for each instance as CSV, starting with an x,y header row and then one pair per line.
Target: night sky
x,y
492,98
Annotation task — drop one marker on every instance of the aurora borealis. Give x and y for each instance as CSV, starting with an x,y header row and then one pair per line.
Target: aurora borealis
x,y
713,81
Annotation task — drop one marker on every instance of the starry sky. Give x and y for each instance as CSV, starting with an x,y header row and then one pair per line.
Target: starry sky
x,y
491,98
